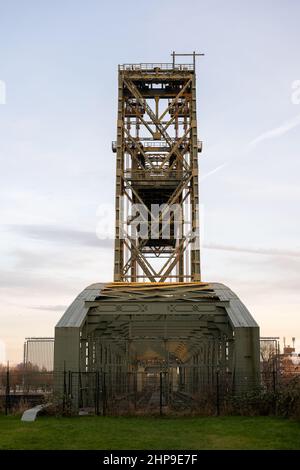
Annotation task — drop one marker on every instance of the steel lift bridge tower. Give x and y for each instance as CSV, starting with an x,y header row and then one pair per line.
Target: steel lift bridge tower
x,y
157,314
157,168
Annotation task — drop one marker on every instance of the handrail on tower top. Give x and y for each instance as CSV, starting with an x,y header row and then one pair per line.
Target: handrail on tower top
x,y
154,66
163,66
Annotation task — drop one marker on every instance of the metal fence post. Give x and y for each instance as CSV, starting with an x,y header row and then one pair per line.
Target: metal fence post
x,y
97,393
103,394
7,391
64,387
135,389
218,392
160,393
168,387
274,390
274,379
70,384
80,389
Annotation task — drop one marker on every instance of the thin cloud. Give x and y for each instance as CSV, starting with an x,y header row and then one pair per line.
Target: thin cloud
x,y
18,281
263,285
50,308
277,131
78,237
214,171
60,235
254,250
273,133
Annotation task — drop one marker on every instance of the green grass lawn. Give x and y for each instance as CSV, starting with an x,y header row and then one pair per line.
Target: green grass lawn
x,y
229,432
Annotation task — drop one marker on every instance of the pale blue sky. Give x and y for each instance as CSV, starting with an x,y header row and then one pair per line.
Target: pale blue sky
x,y
59,62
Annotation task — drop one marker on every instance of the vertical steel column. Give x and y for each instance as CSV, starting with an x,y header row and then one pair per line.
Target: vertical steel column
x,y
195,251
119,239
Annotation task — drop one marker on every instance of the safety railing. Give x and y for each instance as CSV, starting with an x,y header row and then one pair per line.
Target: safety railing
x,y
158,389
157,144
150,174
155,66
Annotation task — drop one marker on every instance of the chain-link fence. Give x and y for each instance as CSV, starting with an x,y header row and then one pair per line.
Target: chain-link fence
x,y
141,393
24,388
164,392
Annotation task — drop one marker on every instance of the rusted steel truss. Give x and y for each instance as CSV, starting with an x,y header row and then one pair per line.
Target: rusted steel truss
x,y
157,165
164,291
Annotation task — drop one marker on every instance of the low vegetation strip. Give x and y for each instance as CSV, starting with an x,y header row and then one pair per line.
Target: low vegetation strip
x,y
230,432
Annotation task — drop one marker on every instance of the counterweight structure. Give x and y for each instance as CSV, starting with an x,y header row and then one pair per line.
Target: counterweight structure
x,y
157,174
157,317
